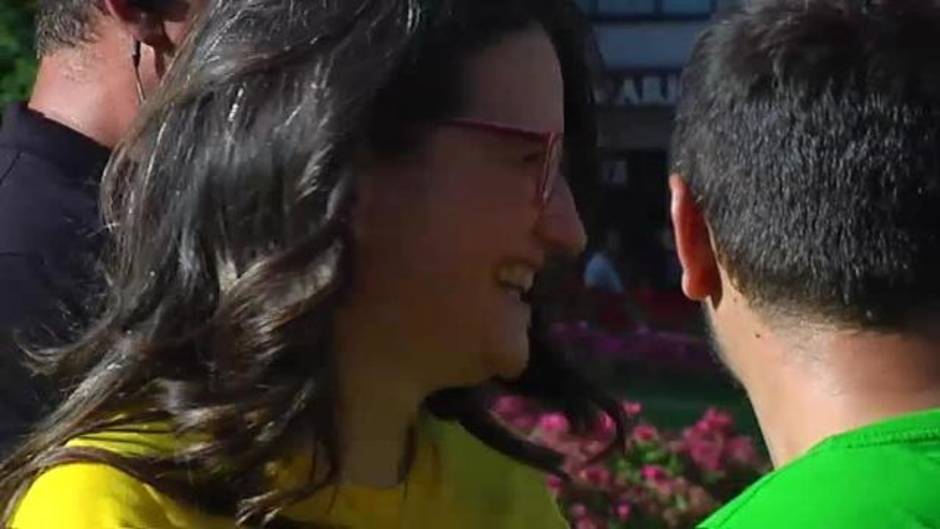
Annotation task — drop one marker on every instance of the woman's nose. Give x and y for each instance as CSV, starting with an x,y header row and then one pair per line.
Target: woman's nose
x,y
560,226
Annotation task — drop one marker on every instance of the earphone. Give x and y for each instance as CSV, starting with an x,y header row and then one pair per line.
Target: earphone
x,y
149,6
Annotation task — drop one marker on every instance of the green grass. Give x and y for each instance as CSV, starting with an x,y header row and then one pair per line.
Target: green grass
x,y
674,402
675,405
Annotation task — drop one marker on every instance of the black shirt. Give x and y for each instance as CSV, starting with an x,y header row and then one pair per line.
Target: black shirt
x,y
50,234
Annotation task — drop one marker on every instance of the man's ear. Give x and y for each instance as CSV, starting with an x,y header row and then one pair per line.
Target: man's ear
x,y
701,278
141,21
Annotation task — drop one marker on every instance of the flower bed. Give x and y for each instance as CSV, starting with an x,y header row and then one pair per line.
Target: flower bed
x,y
661,480
653,352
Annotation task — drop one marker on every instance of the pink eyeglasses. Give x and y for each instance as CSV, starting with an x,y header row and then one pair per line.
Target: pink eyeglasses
x,y
552,141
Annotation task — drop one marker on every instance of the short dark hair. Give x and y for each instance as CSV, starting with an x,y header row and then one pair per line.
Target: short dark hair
x,y
65,23
809,132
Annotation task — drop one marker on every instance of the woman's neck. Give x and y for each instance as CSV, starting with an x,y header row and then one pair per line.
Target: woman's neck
x,y
378,408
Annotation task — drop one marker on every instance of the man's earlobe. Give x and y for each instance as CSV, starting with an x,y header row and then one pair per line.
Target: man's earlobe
x,y
701,278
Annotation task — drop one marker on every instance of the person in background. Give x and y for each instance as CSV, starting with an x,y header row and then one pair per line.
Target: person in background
x,y
615,308
601,273
805,211
326,225
97,57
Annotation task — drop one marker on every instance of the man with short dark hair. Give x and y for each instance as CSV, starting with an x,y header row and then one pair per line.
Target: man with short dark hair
x,y
806,207
98,59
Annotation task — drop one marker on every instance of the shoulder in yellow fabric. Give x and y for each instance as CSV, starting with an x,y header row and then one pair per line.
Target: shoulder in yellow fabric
x,y
456,482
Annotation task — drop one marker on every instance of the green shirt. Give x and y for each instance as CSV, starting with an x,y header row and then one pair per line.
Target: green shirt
x,y
882,476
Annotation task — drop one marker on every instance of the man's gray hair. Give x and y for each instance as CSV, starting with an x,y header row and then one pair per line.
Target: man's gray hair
x,y
65,23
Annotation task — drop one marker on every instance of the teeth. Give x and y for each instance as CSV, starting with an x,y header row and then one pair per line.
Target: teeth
x,y
518,276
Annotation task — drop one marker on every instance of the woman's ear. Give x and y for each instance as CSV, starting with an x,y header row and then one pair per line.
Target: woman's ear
x,y
701,278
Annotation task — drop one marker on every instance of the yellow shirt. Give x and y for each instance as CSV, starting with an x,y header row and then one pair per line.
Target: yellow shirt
x,y
456,482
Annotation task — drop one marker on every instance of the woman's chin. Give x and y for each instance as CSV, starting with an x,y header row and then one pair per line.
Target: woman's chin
x,y
510,360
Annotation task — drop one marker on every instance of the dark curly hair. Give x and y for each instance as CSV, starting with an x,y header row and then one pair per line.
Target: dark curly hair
x,y
228,206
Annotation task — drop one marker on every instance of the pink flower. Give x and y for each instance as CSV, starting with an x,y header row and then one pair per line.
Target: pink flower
x,y
676,446
523,423
554,483
632,409
644,433
509,406
741,450
716,421
658,479
604,428
706,454
697,431
577,510
554,424
571,448
622,511
591,448
654,473
597,475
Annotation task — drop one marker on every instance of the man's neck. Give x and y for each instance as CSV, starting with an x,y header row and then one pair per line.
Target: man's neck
x,y
83,90
836,382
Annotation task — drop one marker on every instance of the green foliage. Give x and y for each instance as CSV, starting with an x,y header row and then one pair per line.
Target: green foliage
x,y
17,57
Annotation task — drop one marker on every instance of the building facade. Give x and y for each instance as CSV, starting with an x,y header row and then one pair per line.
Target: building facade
x,y
643,45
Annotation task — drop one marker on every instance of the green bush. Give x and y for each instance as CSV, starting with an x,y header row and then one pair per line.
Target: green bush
x,y
17,57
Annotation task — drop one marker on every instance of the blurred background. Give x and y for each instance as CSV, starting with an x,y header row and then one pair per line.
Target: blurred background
x,y
648,341
17,59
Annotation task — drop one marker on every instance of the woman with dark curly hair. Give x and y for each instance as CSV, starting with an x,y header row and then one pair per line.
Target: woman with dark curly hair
x,y
326,226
